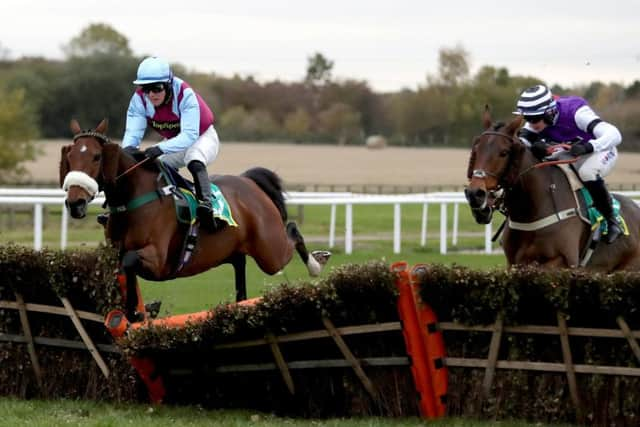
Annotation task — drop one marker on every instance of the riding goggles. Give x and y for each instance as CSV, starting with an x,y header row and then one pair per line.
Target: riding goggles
x,y
153,87
533,119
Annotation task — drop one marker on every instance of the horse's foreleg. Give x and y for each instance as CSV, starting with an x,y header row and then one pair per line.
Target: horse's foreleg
x,y
239,262
316,260
133,299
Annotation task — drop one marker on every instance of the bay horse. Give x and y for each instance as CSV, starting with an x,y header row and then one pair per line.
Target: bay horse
x,y
150,239
543,224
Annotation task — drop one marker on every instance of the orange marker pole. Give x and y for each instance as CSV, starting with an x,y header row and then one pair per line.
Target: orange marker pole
x,y
434,344
413,339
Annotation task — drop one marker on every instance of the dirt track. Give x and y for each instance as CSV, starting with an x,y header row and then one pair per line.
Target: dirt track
x,y
328,164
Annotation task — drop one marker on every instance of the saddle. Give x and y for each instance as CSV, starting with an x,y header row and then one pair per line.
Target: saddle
x,y
186,201
586,207
183,192
585,210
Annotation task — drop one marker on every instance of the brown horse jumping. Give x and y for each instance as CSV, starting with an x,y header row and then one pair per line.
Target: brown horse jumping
x,y
149,237
542,221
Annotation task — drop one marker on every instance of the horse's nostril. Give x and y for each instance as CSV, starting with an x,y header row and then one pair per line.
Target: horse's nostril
x,y
474,193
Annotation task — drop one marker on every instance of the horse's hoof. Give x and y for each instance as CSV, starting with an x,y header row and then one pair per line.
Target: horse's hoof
x,y
153,309
102,219
321,256
135,317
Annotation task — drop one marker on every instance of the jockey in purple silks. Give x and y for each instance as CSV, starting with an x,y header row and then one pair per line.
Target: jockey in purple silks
x,y
550,120
172,108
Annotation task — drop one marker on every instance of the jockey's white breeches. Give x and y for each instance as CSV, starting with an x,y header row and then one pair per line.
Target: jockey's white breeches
x,y
598,164
205,150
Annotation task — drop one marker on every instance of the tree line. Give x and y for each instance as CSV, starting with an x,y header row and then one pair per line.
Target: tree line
x,y
39,96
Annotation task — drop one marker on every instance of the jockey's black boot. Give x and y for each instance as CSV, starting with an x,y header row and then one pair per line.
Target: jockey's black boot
x,y
602,202
204,211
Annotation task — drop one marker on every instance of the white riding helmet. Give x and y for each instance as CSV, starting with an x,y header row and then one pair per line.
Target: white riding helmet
x,y
153,70
535,101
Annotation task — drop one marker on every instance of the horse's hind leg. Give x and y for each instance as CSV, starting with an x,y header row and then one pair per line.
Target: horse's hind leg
x,y
316,260
239,262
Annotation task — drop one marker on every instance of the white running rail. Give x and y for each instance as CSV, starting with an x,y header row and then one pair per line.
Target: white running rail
x,y
40,197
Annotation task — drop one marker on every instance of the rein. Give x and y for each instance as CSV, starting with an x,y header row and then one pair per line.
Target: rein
x,y
546,164
104,139
140,163
482,174
139,201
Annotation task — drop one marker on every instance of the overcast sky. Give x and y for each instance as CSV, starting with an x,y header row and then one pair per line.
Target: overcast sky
x,y
391,44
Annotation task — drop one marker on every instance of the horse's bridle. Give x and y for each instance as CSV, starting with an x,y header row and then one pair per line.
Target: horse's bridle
x,y
81,179
102,138
483,174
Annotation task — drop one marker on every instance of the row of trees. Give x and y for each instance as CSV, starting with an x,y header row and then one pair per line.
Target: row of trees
x,y
94,81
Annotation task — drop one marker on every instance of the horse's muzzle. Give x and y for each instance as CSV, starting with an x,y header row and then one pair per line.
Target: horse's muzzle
x,y
482,216
77,208
477,197
478,201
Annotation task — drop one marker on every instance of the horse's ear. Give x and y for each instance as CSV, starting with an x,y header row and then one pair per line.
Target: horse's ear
x,y
64,163
102,127
486,117
110,161
514,125
75,127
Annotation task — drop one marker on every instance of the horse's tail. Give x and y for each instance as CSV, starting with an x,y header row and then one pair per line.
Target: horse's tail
x,y
271,184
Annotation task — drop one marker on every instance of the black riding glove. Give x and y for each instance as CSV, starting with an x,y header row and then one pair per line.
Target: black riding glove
x,y
153,152
540,149
580,149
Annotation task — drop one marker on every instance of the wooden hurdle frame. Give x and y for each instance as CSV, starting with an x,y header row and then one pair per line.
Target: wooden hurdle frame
x,y
76,317
490,363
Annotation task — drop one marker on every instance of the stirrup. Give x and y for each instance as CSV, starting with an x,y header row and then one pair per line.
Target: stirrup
x,y
613,231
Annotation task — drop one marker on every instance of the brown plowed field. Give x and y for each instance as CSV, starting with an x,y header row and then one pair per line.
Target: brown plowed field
x,y
329,164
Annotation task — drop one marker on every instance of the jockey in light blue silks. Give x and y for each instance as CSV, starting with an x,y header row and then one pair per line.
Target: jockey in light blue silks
x,y
550,120
172,108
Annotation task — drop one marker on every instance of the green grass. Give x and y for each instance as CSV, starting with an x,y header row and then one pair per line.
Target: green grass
x,y
203,291
373,227
35,413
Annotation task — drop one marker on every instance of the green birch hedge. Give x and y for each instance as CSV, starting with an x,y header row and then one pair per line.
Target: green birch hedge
x,y
87,279
530,296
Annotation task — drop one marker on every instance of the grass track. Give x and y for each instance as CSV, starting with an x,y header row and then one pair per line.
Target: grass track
x,y
34,413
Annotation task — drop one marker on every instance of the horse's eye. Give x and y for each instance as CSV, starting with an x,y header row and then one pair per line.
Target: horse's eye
x,y
96,157
504,153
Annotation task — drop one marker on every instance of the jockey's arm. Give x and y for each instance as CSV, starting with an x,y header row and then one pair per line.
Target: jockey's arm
x,y
606,135
189,125
136,123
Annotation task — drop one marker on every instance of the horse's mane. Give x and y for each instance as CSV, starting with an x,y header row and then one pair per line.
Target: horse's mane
x,y
271,184
515,158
